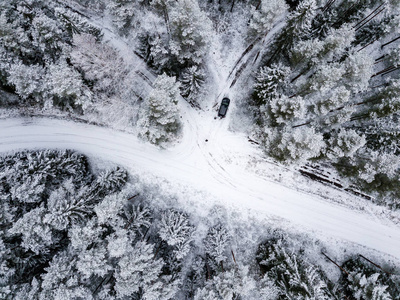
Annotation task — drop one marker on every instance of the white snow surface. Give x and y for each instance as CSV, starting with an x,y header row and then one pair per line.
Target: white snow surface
x,y
218,168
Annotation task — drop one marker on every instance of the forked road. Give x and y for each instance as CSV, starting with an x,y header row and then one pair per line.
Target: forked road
x,y
187,166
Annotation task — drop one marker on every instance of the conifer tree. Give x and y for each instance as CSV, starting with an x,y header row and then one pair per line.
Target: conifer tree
x,y
189,31
159,121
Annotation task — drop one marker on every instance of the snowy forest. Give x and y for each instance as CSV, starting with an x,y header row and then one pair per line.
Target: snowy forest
x,y
313,84
68,233
323,90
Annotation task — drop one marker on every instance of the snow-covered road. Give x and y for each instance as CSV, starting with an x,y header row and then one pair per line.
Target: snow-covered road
x,y
199,165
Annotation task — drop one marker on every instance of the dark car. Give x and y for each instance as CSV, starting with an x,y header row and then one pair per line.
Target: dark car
x,y
224,107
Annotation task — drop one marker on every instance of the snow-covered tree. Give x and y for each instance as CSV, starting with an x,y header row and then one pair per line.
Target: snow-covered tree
x,y
99,62
378,163
137,218
176,230
28,80
394,57
344,143
216,243
295,279
358,71
159,120
268,289
123,12
162,289
206,293
60,281
191,82
66,85
66,206
265,17
326,77
285,109
386,101
92,261
30,190
306,51
367,287
137,269
294,145
337,41
233,283
119,243
108,210
333,99
82,237
108,181
299,21
174,227
331,48
268,82
189,31
36,234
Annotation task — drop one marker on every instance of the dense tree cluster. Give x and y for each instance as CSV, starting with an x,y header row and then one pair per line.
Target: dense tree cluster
x,y
36,38
75,235
326,81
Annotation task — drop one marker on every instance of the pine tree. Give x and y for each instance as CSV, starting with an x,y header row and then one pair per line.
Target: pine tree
x,y
300,19
109,209
28,80
137,270
36,234
286,110
331,100
191,82
66,206
294,145
120,243
176,230
358,68
269,80
264,19
234,283
268,289
298,27
326,77
92,262
295,279
385,102
60,281
159,120
123,13
367,287
138,218
66,85
109,181
83,237
216,243
189,31
344,143
100,63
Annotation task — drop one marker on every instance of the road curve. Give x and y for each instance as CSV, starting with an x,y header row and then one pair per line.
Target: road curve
x,y
189,166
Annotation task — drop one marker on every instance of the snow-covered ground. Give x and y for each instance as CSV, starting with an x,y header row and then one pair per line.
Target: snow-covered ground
x,y
221,168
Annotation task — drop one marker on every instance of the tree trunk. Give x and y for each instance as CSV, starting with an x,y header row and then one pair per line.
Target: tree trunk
x,y
388,43
335,263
